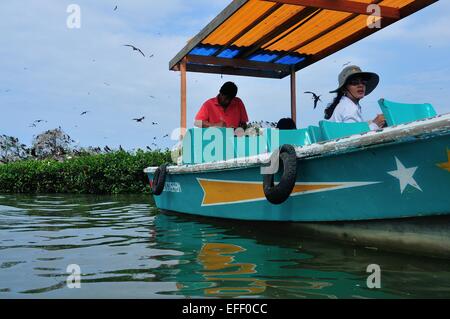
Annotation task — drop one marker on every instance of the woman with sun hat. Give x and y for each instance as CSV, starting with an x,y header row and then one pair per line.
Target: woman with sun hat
x,y
354,85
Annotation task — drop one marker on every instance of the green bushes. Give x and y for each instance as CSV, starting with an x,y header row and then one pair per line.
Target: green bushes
x,y
113,173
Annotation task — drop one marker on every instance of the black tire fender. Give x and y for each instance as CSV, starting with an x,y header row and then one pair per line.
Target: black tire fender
x,y
159,180
282,191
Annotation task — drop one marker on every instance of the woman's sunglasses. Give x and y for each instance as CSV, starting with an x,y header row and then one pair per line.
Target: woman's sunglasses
x,y
358,82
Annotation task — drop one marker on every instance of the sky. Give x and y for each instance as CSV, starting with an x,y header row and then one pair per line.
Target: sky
x,y
54,73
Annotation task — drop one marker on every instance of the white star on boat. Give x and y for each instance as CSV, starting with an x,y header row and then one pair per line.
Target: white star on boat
x,y
405,176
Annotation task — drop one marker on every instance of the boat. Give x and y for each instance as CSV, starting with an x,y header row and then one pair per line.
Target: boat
x,y
333,172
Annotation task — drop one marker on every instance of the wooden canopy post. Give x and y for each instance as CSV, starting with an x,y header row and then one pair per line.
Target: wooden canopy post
x,y
293,96
183,123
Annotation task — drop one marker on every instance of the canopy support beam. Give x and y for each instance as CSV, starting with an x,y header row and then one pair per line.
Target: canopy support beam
x,y
233,71
238,63
293,96
183,123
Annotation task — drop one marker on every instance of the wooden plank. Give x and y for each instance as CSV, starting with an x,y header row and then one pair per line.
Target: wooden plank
x,y
183,123
363,33
326,31
321,34
302,44
249,28
277,31
276,40
355,37
238,63
343,6
213,25
232,71
415,6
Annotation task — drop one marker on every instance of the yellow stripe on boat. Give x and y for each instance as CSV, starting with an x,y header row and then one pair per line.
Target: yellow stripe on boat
x,y
218,192
446,166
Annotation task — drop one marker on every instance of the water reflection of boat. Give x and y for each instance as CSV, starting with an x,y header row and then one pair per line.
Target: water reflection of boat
x,y
221,258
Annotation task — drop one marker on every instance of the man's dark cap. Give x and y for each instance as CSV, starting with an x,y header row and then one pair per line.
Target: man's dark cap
x,y
229,89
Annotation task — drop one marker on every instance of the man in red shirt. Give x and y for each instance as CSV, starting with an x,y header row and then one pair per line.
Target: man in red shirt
x,y
225,110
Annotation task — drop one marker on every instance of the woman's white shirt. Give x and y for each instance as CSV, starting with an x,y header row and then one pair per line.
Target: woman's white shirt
x,y
349,112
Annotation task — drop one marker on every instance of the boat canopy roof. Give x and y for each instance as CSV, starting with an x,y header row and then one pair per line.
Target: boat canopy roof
x,y
273,38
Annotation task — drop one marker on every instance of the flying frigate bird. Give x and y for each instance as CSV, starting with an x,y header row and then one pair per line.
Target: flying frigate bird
x,y
135,49
316,98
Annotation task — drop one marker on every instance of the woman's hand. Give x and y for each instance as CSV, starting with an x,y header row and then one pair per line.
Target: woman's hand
x,y
380,120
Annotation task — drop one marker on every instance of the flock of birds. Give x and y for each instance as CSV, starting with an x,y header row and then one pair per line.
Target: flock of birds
x,y
107,149
315,97
84,113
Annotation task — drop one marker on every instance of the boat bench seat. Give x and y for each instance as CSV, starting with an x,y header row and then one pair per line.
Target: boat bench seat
x,y
300,137
333,130
401,113
219,144
197,142
315,134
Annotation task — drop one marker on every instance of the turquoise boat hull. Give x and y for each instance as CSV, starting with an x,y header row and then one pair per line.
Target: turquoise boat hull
x,y
409,177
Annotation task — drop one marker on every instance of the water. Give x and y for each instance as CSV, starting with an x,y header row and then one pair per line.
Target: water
x,y
125,248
